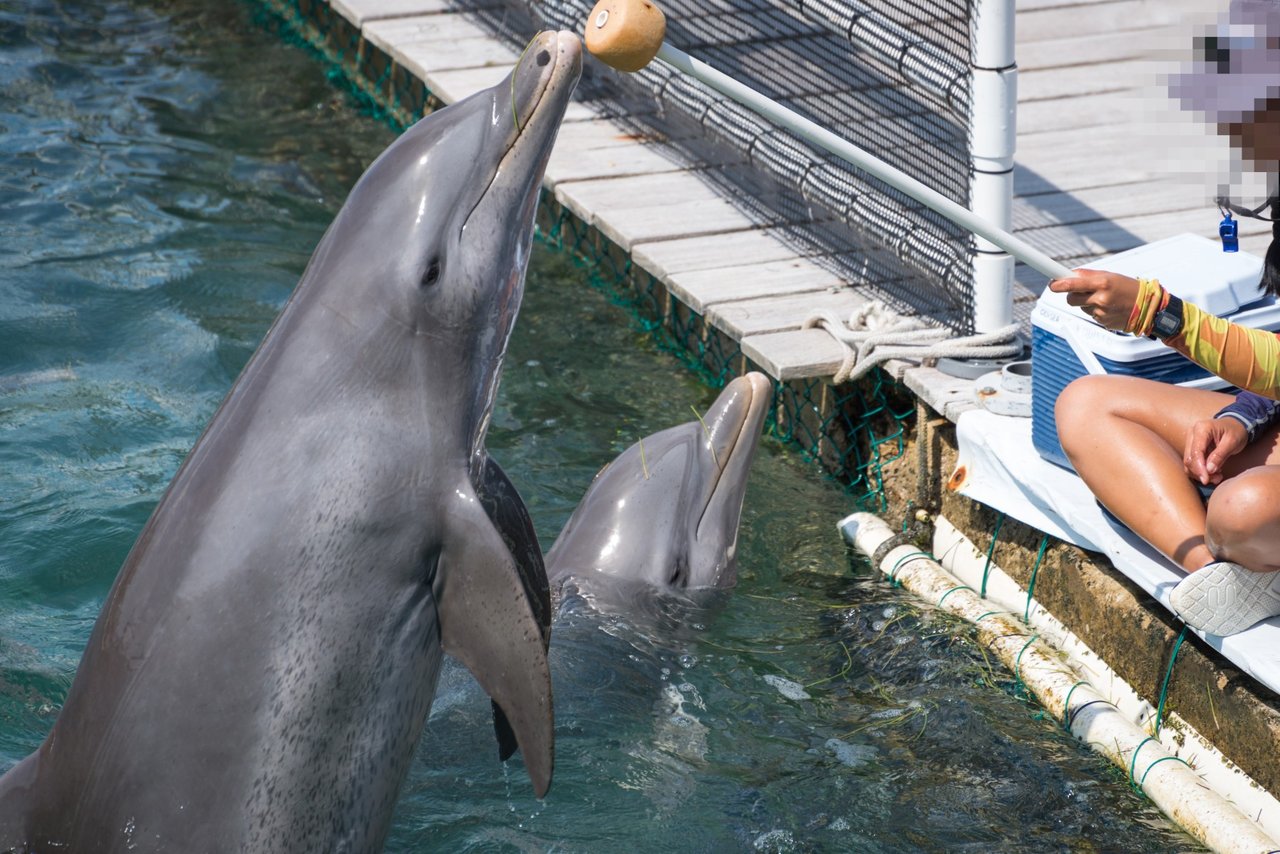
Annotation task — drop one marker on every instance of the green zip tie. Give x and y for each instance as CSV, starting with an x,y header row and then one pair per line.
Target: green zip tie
x,y
893,573
1168,673
1076,713
1031,585
1157,762
953,590
1017,662
1133,763
1066,708
982,617
995,535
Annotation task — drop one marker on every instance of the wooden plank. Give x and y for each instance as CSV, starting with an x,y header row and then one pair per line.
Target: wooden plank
x,y
1102,18
794,355
1024,6
453,86
1088,205
1074,114
392,35
1103,237
569,163
360,11
948,396
702,289
423,58
1103,157
598,133
1080,80
627,227
667,258
591,200
780,313
1072,49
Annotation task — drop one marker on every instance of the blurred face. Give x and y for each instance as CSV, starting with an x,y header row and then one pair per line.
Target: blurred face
x,y
1258,139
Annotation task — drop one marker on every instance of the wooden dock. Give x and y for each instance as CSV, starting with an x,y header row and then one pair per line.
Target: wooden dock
x,y
1094,171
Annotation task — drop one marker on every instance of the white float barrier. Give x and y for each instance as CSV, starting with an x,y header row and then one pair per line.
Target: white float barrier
x,y
1170,783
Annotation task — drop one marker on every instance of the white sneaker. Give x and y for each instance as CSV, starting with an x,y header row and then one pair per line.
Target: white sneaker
x,y
1224,598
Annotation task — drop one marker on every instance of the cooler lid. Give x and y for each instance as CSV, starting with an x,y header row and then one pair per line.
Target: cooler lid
x,y
1190,266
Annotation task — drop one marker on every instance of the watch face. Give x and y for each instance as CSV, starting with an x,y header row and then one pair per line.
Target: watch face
x,y
1168,321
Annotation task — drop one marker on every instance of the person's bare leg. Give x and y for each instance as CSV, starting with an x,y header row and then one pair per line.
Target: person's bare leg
x,y
1125,437
1243,522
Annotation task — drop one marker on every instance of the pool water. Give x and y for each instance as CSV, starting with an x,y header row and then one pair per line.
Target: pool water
x,y
167,167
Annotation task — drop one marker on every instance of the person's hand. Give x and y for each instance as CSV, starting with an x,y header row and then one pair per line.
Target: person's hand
x,y
1106,297
1209,444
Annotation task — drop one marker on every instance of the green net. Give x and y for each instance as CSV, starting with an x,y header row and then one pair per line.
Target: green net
x,y
853,431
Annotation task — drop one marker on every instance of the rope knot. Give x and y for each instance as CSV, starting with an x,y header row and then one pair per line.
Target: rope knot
x,y
874,334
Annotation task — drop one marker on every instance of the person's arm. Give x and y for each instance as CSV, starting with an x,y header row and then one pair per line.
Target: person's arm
x,y
1246,358
1254,411
1212,441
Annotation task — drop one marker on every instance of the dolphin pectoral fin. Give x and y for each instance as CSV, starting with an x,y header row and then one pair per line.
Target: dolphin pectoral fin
x,y
507,510
488,623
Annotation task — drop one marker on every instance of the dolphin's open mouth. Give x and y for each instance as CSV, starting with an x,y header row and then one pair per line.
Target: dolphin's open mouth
x,y
732,428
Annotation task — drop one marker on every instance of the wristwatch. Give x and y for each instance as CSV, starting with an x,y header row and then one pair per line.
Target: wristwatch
x,y
1168,320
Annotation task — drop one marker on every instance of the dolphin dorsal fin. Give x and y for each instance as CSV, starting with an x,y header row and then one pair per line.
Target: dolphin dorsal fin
x,y
489,623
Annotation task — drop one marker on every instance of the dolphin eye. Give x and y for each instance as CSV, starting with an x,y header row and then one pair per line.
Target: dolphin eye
x,y
432,274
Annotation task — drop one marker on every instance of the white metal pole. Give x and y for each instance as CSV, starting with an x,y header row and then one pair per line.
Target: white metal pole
x,y
845,150
993,110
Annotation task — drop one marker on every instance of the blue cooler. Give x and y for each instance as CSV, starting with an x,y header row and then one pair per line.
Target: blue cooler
x,y
1066,343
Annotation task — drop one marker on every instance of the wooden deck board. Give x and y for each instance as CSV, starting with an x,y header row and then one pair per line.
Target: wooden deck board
x,y
703,289
780,313
629,226
583,164
429,56
796,354
1103,18
1076,113
1089,178
592,201
393,35
360,12
668,258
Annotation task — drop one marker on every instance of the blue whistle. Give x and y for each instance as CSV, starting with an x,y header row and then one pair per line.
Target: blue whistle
x,y
1229,231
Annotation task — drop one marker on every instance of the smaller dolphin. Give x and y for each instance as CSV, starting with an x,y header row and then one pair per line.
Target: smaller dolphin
x,y
665,513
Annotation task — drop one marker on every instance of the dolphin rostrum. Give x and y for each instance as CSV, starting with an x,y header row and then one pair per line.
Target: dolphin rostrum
x,y
264,663
665,513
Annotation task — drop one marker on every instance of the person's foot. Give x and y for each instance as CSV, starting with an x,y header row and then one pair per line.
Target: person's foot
x,y
1224,598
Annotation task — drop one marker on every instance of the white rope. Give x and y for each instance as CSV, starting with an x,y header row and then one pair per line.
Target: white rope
x,y
874,335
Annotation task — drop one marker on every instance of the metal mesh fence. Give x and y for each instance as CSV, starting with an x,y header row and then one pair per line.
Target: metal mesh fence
x,y
853,430
894,80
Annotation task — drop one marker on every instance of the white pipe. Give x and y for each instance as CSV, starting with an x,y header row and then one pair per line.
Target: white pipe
x,y
825,139
1170,783
993,34
993,112
957,554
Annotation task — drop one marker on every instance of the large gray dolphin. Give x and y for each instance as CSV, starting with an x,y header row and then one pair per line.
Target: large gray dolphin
x,y
263,665
664,515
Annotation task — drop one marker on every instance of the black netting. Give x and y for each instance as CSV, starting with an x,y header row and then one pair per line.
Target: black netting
x,y
894,81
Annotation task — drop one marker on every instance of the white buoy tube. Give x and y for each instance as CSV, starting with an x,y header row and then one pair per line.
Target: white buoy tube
x,y
1171,784
845,150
